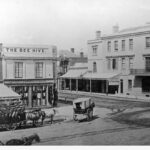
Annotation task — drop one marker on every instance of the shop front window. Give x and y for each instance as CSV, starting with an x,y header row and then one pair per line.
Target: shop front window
x,y
39,96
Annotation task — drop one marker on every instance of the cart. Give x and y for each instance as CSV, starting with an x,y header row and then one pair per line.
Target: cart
x,y
8,115
83,106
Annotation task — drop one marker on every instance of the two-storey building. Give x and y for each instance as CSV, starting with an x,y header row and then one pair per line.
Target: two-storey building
x,y
30,70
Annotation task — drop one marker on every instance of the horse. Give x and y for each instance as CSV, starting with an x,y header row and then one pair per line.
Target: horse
x,y
51,114
35,116
24,141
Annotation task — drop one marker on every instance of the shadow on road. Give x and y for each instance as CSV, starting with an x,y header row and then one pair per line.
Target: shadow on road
x,y
85,120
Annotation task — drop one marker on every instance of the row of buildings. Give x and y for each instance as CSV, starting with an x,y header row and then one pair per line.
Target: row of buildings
x,y
118,63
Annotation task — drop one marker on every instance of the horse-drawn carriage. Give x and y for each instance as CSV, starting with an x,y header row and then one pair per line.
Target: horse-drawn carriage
x,y
14,115
8,118
83,106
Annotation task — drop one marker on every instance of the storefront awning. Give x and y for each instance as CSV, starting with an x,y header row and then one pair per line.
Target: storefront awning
x,y
74,73
101,76
7,93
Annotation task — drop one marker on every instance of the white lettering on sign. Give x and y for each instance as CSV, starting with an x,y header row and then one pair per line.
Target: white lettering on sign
x,y
25,50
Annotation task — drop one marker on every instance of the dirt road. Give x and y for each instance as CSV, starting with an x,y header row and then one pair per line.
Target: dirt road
x,y
100,131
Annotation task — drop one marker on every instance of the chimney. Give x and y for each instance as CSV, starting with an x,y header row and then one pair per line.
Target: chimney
x,y
81,54
98,34
72,50
115,29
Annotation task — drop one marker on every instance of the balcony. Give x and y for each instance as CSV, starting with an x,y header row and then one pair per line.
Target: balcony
x,y
140,72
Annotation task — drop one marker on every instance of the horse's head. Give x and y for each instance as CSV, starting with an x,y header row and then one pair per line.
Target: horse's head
x,y
55,111
28,140
37,138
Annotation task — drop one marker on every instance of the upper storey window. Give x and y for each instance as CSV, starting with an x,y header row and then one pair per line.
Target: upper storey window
x,y
109,46
18,69
147,42
123,45
94,67
116,45
130,44
39,69
123,64
131,63
115,64
94,48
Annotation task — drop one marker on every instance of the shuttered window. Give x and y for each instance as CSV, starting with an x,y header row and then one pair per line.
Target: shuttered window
x,y
18,69
147,63
39,69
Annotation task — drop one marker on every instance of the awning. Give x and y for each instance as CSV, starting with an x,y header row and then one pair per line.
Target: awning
x,y
102,76
74,73
7,93
113,78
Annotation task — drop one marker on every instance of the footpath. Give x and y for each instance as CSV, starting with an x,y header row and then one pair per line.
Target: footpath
x,y
69,96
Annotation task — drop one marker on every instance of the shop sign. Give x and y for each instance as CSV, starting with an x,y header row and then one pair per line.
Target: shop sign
x,y
25,50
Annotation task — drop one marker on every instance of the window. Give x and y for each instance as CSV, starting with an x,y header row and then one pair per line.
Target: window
x,y
94,50
109,64
130,44
123,45
129,84
18,69
54,52
147,63
109,46
39,70
116,45
114,64
94,67
131,63
123,64
147,42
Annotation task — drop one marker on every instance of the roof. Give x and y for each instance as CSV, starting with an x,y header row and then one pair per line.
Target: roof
x,y
130,30
102,76
135,29
67,53
74,73
27,45
6,92
83,99
80,65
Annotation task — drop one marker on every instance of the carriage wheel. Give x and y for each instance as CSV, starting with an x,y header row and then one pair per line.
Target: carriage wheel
x,y
89,114
11,126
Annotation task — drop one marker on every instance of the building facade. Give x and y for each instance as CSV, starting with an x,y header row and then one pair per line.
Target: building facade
x,y
70,58
30,70
125,53
119,63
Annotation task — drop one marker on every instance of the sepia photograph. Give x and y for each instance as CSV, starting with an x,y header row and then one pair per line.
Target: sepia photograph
x,y
74,73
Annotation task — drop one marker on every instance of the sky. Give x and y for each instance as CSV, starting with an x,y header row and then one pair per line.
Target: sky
x,y
67,23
